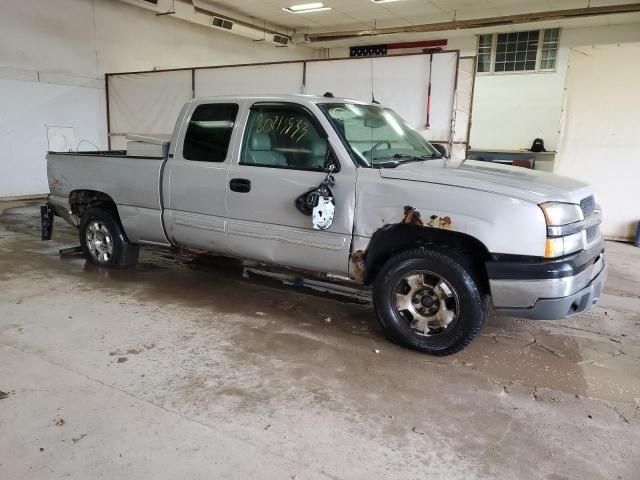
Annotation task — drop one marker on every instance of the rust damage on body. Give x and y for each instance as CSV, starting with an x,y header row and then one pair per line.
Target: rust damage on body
x,y
357,265
411,217
439,222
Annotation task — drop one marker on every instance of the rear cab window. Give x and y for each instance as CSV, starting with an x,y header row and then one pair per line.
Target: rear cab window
x,y
209,132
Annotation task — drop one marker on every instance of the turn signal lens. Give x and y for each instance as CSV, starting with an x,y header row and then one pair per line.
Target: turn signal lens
x,y
559,246
550,248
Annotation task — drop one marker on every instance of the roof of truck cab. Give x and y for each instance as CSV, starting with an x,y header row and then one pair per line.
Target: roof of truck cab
x,y
296,98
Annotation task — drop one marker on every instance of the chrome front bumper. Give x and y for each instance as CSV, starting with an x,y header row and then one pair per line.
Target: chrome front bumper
x,y
550,299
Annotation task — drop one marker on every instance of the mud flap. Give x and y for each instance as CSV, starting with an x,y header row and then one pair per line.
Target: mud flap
x,y
46,221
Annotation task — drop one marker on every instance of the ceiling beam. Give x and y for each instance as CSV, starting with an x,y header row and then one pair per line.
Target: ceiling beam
x,y
478,22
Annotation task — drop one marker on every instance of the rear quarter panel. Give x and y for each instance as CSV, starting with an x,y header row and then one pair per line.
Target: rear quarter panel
x,y
132,183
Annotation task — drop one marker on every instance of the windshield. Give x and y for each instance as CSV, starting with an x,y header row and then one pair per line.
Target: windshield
x,y
377,136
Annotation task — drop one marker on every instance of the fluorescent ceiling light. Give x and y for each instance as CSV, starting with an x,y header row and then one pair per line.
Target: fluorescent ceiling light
x,y
384,1
307,8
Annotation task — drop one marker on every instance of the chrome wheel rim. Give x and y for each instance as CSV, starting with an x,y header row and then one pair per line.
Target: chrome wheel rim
x,y
426,302
99,241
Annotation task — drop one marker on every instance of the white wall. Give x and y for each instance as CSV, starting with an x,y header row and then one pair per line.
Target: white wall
x,y
48,49
600,131
60,37
510,110
27,109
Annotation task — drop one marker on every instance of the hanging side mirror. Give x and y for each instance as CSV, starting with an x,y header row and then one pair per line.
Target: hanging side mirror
x,y
441,149
319,202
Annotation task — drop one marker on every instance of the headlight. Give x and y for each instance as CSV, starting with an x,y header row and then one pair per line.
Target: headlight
x,y
561,213
558,215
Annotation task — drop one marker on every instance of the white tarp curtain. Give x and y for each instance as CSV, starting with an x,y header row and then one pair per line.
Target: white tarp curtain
x,y
150,102
146,102
600,130
259,79
399,82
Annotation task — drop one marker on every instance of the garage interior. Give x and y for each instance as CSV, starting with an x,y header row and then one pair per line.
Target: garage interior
x,y
190,365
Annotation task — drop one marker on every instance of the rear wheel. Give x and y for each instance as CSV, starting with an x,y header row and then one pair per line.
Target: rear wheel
x,y
104,242
429,300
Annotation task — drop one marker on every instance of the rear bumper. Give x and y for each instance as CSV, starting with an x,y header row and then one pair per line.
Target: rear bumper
x,y
571,287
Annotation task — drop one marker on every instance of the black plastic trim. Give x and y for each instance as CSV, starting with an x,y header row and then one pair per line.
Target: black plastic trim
x,y
519,267
106,153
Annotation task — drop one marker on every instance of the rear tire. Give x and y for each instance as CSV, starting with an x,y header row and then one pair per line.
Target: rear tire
x,y
104,242
429,300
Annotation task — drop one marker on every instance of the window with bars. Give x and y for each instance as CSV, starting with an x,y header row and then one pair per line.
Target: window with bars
x,y
531,51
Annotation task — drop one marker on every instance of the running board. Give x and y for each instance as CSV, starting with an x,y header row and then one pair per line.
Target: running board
x,y
363,295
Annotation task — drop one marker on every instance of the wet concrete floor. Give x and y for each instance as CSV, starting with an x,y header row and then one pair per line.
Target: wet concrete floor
x,y
182,368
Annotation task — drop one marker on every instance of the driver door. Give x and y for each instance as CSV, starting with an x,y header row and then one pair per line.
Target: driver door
x,y
282,156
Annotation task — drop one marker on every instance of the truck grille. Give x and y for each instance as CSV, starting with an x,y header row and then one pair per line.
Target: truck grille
x,y
593,233
588,205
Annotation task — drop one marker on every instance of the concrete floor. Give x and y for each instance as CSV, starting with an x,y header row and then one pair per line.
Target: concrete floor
x,y
182,369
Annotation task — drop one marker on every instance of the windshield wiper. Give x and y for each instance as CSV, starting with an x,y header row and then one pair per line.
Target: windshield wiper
x,y
394,160
388,164
411,158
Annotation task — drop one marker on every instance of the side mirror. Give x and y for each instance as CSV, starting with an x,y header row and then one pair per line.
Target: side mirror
x,y
441,150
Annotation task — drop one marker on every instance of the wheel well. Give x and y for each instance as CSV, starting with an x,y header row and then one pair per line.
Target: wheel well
x,y
81,200
393,239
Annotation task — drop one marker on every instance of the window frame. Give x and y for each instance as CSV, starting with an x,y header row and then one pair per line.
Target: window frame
x,y
289,106
230,146
538,68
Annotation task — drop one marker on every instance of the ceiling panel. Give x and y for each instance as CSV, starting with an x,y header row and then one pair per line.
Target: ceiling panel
x,y
365,14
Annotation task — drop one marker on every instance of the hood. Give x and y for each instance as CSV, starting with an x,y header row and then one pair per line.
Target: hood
x,y
515,182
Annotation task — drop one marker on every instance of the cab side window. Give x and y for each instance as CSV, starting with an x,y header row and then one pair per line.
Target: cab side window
x,y
209,132
283,137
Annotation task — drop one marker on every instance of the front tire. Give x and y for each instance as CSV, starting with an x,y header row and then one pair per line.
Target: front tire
x,y
104,242
429,300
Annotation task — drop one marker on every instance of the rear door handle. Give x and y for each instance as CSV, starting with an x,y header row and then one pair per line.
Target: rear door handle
x,y
240,185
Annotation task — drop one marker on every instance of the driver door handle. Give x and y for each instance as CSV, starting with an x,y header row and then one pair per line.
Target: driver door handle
x,y
240,185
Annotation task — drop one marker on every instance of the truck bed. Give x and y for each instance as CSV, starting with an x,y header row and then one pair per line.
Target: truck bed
x,y
132,182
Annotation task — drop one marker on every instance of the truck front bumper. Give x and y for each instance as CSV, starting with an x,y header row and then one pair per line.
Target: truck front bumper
x,y
554,289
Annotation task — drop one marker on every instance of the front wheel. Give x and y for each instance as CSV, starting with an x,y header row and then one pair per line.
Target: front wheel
x,y
429,300
104,242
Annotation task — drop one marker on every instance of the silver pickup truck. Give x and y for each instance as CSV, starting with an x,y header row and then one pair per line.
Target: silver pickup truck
x,y
346,191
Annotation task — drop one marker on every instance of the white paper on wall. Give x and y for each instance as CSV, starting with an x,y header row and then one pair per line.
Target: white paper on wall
x,y
61,139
